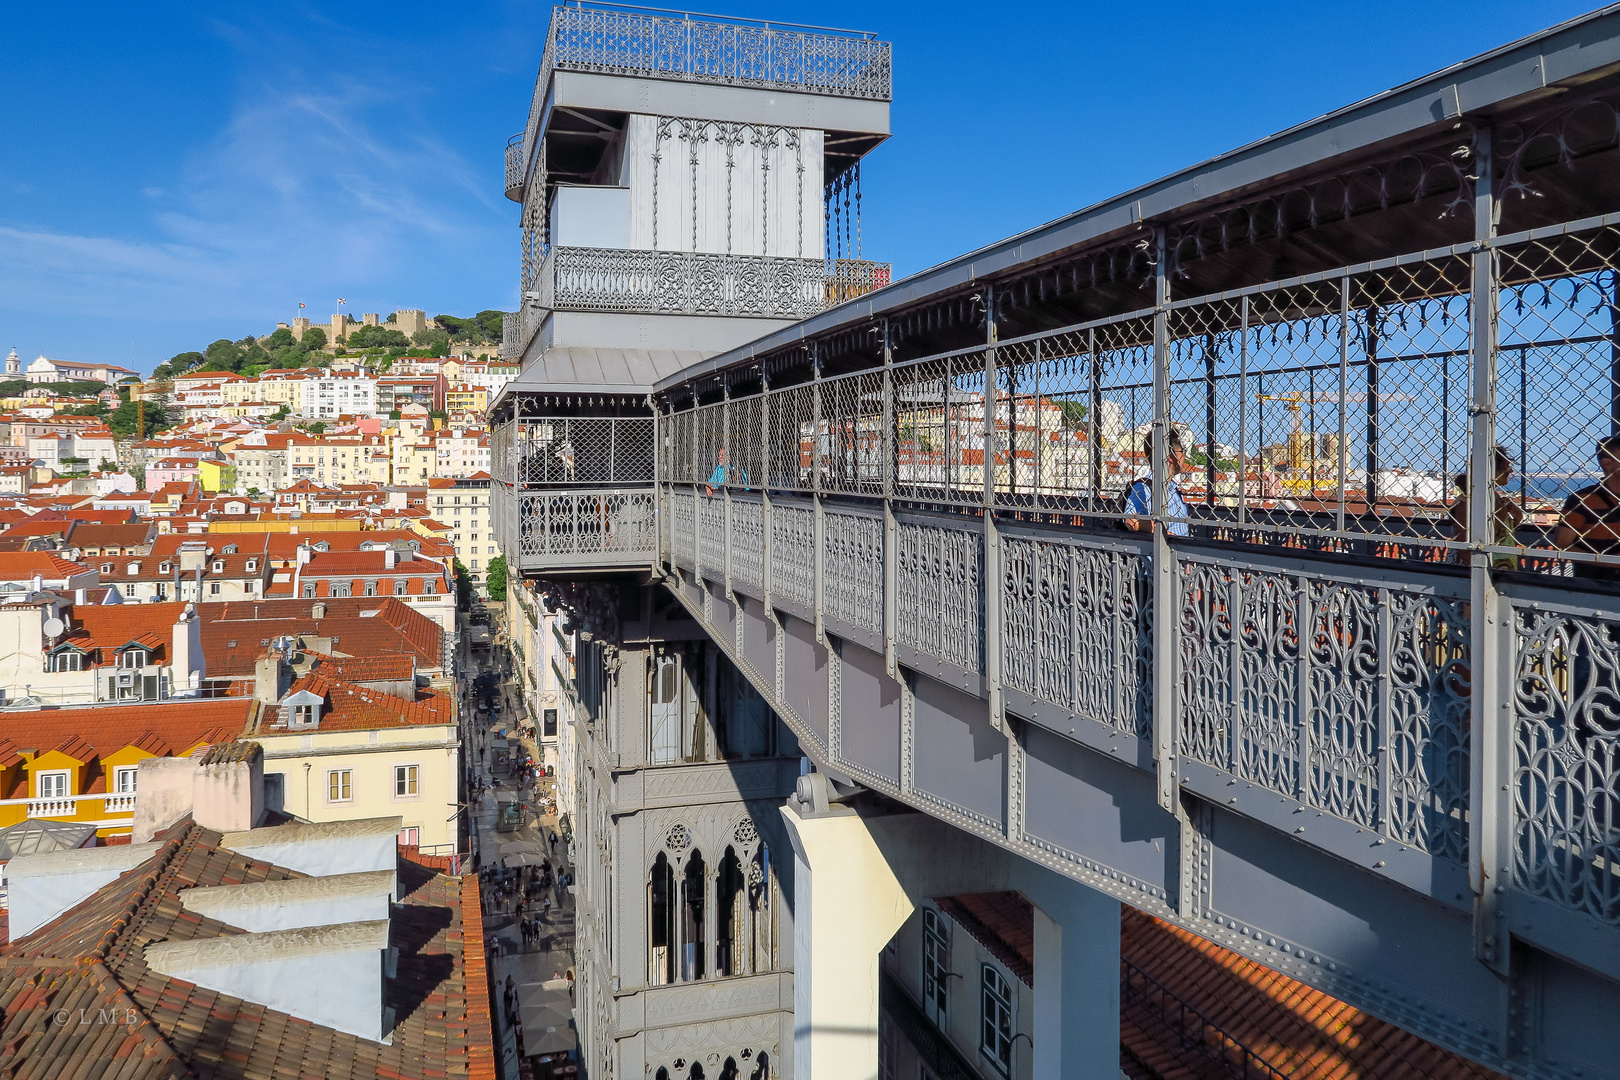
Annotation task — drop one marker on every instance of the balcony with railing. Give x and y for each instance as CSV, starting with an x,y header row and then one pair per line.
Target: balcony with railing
x,y
731,52
654,44
575,493
700,283
514,167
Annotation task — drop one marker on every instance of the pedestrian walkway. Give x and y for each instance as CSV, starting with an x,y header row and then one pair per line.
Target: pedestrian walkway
x,y
520,871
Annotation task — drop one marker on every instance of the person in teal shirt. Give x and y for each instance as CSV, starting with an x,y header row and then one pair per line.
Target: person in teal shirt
x,y
724,474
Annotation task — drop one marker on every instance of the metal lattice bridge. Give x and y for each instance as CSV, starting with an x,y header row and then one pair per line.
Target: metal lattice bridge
x,y
1243,547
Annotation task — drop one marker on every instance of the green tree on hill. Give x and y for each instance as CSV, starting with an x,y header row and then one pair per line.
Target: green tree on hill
x,y
368,337
433,342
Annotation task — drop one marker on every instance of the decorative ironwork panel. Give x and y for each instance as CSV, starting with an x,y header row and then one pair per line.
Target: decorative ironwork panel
x,y
711,535
1428,723
618,526
1344,655
1366,719
940,609
854,569
1207,651
748,541
700,49
682,512
793,553
682,282
1078,631
1566,759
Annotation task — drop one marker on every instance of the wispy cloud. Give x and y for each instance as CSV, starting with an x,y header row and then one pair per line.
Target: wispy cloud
x,y
336,187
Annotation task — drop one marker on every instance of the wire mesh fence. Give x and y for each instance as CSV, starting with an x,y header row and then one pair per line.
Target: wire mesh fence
x,y
1334,413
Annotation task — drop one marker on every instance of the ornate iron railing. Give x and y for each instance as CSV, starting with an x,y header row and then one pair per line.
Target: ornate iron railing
x,y
848,279
558,531
696,48
512,339
680,282
514,167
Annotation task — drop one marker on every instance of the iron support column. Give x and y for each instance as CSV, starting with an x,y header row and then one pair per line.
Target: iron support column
x,y
1164,562
888,446
820,539
992,540
765,487
725,487
660,518
1491,662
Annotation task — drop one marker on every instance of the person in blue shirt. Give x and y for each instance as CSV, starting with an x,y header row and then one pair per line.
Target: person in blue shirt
x,y
1140,498
724,474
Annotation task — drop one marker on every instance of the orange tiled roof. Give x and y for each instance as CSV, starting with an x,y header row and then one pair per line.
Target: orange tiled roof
x,y
93,956
1296,1030
106,729
15,565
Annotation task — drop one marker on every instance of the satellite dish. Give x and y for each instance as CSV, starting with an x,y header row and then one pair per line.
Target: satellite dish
x,y
54,626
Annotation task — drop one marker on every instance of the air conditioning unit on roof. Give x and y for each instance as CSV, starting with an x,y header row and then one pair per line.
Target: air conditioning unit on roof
x,y
126,678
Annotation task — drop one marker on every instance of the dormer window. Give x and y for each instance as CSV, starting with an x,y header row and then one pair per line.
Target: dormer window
x,y
134,568
165,568
219,566
230,549
67,660
253,564
303,716
106,567
132,657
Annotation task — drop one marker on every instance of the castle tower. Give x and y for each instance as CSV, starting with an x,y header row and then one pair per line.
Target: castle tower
x,y
13,363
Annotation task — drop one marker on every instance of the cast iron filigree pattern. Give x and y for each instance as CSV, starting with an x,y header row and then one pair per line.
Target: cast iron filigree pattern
x,y
683,282
1566,760
793,555
608,523
1428,723
682,507
1367,721
711,535
699,49
748,541
1078,630
854,570
940,609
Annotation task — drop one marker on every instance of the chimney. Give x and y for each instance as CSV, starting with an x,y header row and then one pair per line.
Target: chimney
x,y
78,596
228,788
389,556
304,554
187,668
268,678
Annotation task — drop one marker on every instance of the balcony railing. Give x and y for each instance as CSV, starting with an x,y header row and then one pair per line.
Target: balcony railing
x,y
695,48
68,806
514,167
681,283
574,530
851,278
575,492
692,48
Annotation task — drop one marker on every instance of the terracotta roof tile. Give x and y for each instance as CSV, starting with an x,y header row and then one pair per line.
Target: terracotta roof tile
x,y
1290,1027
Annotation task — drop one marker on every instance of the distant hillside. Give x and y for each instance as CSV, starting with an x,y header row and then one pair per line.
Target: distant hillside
x,y
253,355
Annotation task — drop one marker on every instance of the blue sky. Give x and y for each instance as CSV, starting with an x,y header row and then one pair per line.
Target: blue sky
x,y
175,173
